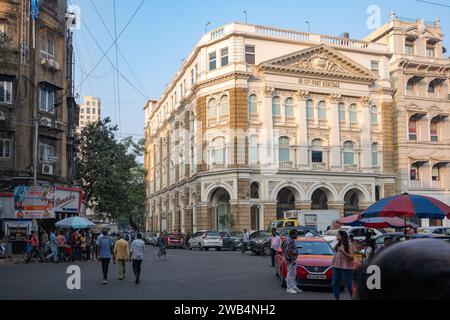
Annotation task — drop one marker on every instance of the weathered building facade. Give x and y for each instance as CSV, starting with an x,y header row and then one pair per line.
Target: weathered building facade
x,y
260,120
36,89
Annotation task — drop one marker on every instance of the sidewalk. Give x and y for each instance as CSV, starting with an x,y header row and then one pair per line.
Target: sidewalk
x,y
14,259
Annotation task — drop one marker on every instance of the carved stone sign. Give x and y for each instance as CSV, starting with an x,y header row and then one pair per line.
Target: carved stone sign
x,y
318,83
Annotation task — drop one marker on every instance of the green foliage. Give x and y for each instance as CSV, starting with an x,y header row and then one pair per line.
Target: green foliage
x,y
112,179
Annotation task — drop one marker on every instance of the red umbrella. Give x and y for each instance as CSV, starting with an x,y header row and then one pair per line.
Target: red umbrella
x,y
376,222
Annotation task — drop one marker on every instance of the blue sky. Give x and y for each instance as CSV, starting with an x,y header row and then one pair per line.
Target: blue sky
x,y
164,32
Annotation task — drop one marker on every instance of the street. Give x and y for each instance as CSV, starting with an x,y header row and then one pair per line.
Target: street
x,y
185,275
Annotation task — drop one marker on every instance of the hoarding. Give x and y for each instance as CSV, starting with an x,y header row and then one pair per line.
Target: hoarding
x,y
34,202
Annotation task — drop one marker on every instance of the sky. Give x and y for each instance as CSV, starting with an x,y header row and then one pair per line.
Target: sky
x,y
164,32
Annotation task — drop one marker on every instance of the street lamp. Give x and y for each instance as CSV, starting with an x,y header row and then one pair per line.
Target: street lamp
x,y
245,13
206,26
309,26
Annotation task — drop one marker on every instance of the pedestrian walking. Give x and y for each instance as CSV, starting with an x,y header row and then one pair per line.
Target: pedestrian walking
x,y
369,245
121,255
35,249
161,242
104,252
290,253
53,248
275,245
342,265
137,255
245,241
88,244
61,244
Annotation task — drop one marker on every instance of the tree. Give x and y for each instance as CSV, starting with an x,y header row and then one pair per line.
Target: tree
x,y
111,177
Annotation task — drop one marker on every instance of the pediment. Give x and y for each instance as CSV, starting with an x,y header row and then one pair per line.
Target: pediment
x,y
319,61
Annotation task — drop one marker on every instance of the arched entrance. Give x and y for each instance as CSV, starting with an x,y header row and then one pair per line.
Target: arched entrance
x,y
351,202
319,200
220,199
285,202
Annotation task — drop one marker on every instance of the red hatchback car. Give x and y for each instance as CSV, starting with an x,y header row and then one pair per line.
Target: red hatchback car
x,y
175,240
313,263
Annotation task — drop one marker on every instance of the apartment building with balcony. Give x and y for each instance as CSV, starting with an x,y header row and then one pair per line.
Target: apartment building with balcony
x,y
259,120
36,88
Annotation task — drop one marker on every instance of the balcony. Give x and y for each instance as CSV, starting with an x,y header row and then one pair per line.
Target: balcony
x,y
323,123
319,167
212,122
50,63
354,125
253,117
286,165
224,118
218,166
311,122
277,119
290,120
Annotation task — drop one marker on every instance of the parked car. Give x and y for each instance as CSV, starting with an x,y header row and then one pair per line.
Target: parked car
x,y
175,240
314,259
357,232
435,230
147,237
260,243
232,240
206,239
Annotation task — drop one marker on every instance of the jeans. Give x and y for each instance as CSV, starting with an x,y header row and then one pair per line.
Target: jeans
x,y
291,281
35,251
105,266
121,268
54,253
61,253
162,251
273,253
137,268
244,247
346,276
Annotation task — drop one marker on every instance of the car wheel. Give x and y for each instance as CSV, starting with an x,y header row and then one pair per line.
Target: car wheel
x,y
265,251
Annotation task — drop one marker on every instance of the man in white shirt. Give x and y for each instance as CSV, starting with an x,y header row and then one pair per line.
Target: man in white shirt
x,y
275,245
245,241
137,255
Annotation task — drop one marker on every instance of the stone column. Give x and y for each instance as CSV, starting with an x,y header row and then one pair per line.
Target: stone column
x,y
270,213
336,205
302,130
267,155
366,155
335,139
202,222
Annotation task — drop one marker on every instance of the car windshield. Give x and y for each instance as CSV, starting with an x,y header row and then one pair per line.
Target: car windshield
x,y
314,248
213,233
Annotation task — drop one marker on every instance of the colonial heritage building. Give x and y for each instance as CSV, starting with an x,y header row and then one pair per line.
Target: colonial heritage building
x,y
259,120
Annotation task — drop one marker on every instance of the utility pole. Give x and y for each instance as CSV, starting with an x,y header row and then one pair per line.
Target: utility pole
x,y
35,150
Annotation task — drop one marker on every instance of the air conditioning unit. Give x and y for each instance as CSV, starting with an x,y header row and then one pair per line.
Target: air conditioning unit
x,y
46,122
47,169
59,125
54,65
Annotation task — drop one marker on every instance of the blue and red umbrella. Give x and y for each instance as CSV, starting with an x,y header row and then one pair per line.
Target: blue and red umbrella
x,y
408,206
376,222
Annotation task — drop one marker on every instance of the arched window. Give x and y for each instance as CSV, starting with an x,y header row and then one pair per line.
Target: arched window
x,y
410,86
316,151
212,111
412,129
276,106
434,136
353,113
341,108
253,148
322,108
432,87
224,106
374,115
218,152
309,110
349,153
375,154
254,190
284,152
252,104
289,107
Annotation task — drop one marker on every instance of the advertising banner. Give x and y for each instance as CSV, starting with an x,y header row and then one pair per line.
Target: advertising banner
x,y
34,202
67,200
17,230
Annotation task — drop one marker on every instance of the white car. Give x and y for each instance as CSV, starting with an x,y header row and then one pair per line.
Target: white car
x,y
357,232
206,239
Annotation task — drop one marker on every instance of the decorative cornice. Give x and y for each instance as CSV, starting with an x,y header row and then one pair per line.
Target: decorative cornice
x,y
302,95
334,98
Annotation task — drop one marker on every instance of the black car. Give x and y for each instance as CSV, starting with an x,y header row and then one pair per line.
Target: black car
x,y
232,240
260,243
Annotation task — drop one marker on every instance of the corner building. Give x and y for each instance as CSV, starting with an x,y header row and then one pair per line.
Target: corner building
x,y
260,120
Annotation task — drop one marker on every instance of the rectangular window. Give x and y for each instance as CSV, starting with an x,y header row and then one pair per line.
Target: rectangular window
x,y
414,173
212,61
46,151
82,117
250,56
375,66
409,47
224,57
93,110
88,110
192,77
47,100
349,158
430,51
6,92
317,156
5,148
435,174
93,103
82,110
88,103
434,131
412,128
47,48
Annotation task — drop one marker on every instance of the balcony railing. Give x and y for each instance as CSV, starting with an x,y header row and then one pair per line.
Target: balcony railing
x,y
354,125
319,167
290,120
286,164
323,123
277,119
224,118
282,33
212,121
311,122
253,117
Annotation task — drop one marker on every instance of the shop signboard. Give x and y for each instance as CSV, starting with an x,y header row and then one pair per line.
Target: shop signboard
x,y
17,230
67,200
34,202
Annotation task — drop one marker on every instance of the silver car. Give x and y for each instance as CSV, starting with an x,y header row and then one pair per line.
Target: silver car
x,y
206,239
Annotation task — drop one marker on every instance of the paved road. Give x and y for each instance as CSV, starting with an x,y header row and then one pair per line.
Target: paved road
x,y
185,275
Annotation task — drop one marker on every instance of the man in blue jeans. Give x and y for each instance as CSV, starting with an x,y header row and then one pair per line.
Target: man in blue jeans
x,y
105,247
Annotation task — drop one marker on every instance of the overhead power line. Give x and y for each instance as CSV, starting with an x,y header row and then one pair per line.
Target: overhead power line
x,y
434,3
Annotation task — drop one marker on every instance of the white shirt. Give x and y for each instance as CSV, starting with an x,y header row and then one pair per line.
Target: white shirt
x,y
309,235
137,249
